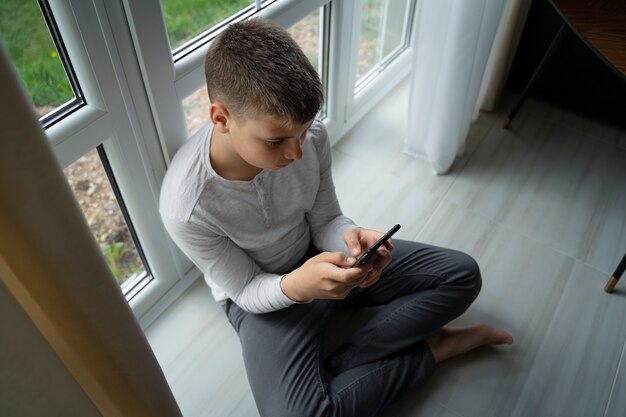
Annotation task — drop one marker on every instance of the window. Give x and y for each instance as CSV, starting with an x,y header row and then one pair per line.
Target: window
x,y
306,33
72,74
371,28
46,71
96,191
187,19
191,23
384,30
196,107
312,34
40,58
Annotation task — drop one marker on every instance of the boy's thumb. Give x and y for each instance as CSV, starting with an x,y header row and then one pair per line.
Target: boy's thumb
x,y
339,259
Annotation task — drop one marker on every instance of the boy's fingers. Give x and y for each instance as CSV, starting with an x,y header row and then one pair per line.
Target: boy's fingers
x,y
384,256
373,276
351,238
382,252
367,282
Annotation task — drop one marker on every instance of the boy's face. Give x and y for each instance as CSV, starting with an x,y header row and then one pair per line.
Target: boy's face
x,y
267,142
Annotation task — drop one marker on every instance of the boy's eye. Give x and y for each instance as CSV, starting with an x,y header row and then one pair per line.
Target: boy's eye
x,y
273,143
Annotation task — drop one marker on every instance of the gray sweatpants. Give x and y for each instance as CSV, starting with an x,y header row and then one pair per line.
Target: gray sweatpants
x,y
423,288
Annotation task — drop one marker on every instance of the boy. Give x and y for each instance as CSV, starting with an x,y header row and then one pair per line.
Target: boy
x,y
250,200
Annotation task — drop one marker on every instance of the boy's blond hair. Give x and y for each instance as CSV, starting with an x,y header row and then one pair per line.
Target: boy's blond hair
x,y
255,68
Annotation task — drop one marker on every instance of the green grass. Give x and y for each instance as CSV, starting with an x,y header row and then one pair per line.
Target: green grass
x,y
122,261
185,19
25,36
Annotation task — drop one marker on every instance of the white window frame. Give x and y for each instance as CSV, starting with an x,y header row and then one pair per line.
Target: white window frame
x,y
134,90
109,119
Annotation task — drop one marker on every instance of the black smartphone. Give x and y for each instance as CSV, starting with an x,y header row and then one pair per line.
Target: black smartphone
x,y
372,249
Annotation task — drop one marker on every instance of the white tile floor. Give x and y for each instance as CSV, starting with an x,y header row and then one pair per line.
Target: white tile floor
x,y
542,207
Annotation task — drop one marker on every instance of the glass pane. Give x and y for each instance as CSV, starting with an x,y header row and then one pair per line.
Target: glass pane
x,y
370,39
306,32
186,19
97,200
395,18
196,108
383,33
25,34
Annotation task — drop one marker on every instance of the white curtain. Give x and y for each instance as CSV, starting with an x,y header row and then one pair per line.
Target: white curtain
x,y
452,46
502,54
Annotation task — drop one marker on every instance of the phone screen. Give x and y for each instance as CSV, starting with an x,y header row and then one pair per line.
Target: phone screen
x,y
372,249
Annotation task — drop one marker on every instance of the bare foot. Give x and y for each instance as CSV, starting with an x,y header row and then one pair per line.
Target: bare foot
x,y
453,341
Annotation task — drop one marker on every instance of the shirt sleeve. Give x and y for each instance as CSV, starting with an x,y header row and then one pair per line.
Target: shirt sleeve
x,y
228,266
327,222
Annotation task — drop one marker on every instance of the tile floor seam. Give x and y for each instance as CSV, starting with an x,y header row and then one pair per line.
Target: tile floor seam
x,y
619,364
427,222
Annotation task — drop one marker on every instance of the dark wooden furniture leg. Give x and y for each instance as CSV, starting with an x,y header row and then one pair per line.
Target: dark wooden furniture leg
x,y
554,46
616,275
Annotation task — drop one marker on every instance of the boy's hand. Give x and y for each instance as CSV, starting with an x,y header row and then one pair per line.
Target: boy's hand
x,y
327,275
358,240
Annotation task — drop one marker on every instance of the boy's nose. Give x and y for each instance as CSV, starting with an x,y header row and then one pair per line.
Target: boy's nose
x,y
294,150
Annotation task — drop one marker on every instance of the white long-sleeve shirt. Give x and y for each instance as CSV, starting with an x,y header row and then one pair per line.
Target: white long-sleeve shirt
x,y
244,235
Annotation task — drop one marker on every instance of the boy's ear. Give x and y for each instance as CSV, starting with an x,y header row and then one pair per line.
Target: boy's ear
x,y
220,116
